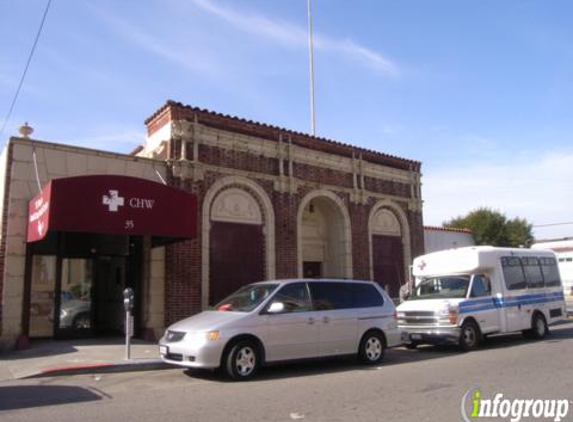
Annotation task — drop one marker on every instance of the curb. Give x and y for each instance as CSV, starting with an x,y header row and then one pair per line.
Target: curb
x,y
99,368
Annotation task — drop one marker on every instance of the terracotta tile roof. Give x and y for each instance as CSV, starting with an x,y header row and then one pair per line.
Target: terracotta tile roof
x,y
137,150
250,127
448,229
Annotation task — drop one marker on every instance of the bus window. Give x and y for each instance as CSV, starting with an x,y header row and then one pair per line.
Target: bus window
x,y
550,272
533,274
513,273
480,287
442,287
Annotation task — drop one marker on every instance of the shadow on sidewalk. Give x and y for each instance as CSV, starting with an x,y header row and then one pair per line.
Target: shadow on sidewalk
x,y
22,397
40,349
49,347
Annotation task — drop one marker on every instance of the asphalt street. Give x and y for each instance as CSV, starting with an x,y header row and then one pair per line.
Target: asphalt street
x,y
411,385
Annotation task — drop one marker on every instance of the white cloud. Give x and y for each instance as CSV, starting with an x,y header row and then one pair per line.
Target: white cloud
x,y
166,48
283,32
296,36
537,188
368,57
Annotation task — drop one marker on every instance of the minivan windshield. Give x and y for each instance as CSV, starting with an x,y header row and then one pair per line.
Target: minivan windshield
x,y
449,287
246,298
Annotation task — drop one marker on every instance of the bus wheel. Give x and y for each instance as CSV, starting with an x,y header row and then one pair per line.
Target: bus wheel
x,y
538,327
469,336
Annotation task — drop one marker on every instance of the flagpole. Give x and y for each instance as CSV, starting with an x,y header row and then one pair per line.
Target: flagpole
x,y
311,60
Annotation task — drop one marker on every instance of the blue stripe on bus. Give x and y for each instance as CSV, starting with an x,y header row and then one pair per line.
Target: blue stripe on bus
x,y
508,302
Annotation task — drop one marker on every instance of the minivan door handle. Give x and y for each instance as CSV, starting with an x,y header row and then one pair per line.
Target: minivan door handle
x,y
326,320
311,321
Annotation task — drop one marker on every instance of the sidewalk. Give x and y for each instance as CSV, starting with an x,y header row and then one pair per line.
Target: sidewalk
x,y
67,357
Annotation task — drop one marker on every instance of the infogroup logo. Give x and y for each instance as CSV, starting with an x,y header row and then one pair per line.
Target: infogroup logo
x,y
476,407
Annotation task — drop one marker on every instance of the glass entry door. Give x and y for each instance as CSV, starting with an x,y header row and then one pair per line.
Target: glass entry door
x,y
76,289
91,297
42,296
110,281
76,283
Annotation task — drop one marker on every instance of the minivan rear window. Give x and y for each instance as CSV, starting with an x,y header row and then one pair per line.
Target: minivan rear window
x,y
327,295
366,296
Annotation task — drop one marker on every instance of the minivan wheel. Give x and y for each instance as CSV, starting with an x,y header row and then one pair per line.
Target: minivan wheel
x,y
469,336
372,348
242,360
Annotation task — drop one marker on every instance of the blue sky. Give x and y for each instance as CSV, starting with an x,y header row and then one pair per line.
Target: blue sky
x,y
481,92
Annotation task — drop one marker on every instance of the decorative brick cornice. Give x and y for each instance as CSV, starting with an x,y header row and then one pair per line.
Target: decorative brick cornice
x,y
173,110
448,229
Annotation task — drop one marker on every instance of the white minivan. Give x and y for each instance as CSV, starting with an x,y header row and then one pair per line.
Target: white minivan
x,y
461,295
275,321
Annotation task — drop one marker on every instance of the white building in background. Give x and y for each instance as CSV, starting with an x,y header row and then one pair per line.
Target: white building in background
x,y
440,238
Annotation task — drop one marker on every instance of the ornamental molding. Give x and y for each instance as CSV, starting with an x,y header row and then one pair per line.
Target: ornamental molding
x,y
236,206
384,222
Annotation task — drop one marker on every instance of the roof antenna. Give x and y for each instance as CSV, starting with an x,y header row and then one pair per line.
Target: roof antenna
x,y
25,130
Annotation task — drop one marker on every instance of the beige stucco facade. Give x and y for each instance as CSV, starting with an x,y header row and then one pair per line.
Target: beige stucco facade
x,y
21,185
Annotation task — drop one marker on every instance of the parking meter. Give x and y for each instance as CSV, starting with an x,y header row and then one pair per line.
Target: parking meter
x,y
128,299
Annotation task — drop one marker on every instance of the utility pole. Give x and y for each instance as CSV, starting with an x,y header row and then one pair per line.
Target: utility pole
x,y
311,60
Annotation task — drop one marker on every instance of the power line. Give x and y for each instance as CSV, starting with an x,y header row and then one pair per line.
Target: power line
x,y
554,224
25,69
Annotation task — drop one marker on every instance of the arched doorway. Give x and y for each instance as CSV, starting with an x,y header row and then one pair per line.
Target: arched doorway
x,y
389,246
237,237
324,248
236,255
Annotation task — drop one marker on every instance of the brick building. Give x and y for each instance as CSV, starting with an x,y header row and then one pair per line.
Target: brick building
x,y
270,203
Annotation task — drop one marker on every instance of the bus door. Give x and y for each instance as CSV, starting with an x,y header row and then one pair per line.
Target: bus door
x,y
514,289
487,311
515,312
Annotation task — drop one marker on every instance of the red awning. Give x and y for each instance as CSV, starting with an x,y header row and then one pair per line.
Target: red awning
x,y
112,205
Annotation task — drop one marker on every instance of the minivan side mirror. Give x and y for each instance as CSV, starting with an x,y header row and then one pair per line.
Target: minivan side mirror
x,y
276,308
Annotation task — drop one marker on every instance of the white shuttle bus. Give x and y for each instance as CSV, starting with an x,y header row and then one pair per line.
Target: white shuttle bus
x,y
461,295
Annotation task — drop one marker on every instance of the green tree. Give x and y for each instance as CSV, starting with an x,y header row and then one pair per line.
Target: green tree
x,y
519,232
490,227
